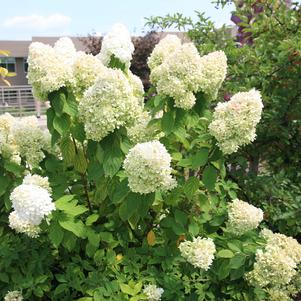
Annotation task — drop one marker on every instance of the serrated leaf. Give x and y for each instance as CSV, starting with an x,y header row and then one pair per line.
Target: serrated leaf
x,y
191,186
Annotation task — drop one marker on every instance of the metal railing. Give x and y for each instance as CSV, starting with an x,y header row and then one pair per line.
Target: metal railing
x,y
17,100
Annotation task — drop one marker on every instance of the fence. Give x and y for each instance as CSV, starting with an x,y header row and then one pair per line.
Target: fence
x,y
17,100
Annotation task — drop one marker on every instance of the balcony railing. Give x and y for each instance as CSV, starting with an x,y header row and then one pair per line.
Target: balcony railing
x,y
18,101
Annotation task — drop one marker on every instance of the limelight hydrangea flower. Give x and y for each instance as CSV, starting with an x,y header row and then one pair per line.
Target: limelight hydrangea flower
x,y
153,292
276,264
65,48
137,86
86,68
287,243
162,50
109,104
38,181
147,166
7,143
32,203
178,71
49,67
243,217
117,42
13,296
141,132
234,122
199,252
30,140
179,75
23,226
214,70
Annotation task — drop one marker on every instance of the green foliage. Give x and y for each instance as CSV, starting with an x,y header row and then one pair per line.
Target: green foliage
x,y
104,242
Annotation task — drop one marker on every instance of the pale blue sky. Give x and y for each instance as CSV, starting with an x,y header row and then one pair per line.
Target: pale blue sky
x,y
22,19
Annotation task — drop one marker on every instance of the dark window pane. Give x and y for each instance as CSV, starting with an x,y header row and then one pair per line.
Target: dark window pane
x,y
11,67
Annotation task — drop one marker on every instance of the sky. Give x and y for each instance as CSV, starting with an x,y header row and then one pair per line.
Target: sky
x,y
22,19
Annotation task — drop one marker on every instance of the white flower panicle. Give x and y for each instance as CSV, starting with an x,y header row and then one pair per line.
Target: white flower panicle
x,y
276,264
178,71
234,122
6,122
38,181
214,71
199,252
86,68
179,75
147,166
13,296
30,139
109,104
49,68
153,292
66,49
31,202
23,226
243,217
287,243
7,143
117,43
137,86
162,50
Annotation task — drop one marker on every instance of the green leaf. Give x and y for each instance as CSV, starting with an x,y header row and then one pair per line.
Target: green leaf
x,y
76,227
91,219
68,150
193,229
200,158
56,234
209,177
191,186
80,162
168,122
4,182
225,254
69,205
126,289
128,206
78,132
237,261
70,105
57,102
50,116
61,124
113,156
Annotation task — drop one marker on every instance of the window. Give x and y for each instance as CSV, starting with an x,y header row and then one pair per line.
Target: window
x,y
25,64
8,63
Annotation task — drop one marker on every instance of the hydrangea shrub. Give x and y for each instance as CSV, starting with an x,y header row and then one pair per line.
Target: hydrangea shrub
x,y
127,199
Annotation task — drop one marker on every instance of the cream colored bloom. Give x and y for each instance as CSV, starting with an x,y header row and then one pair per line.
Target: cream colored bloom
x,y
199,252
234,122
243,217
147,166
